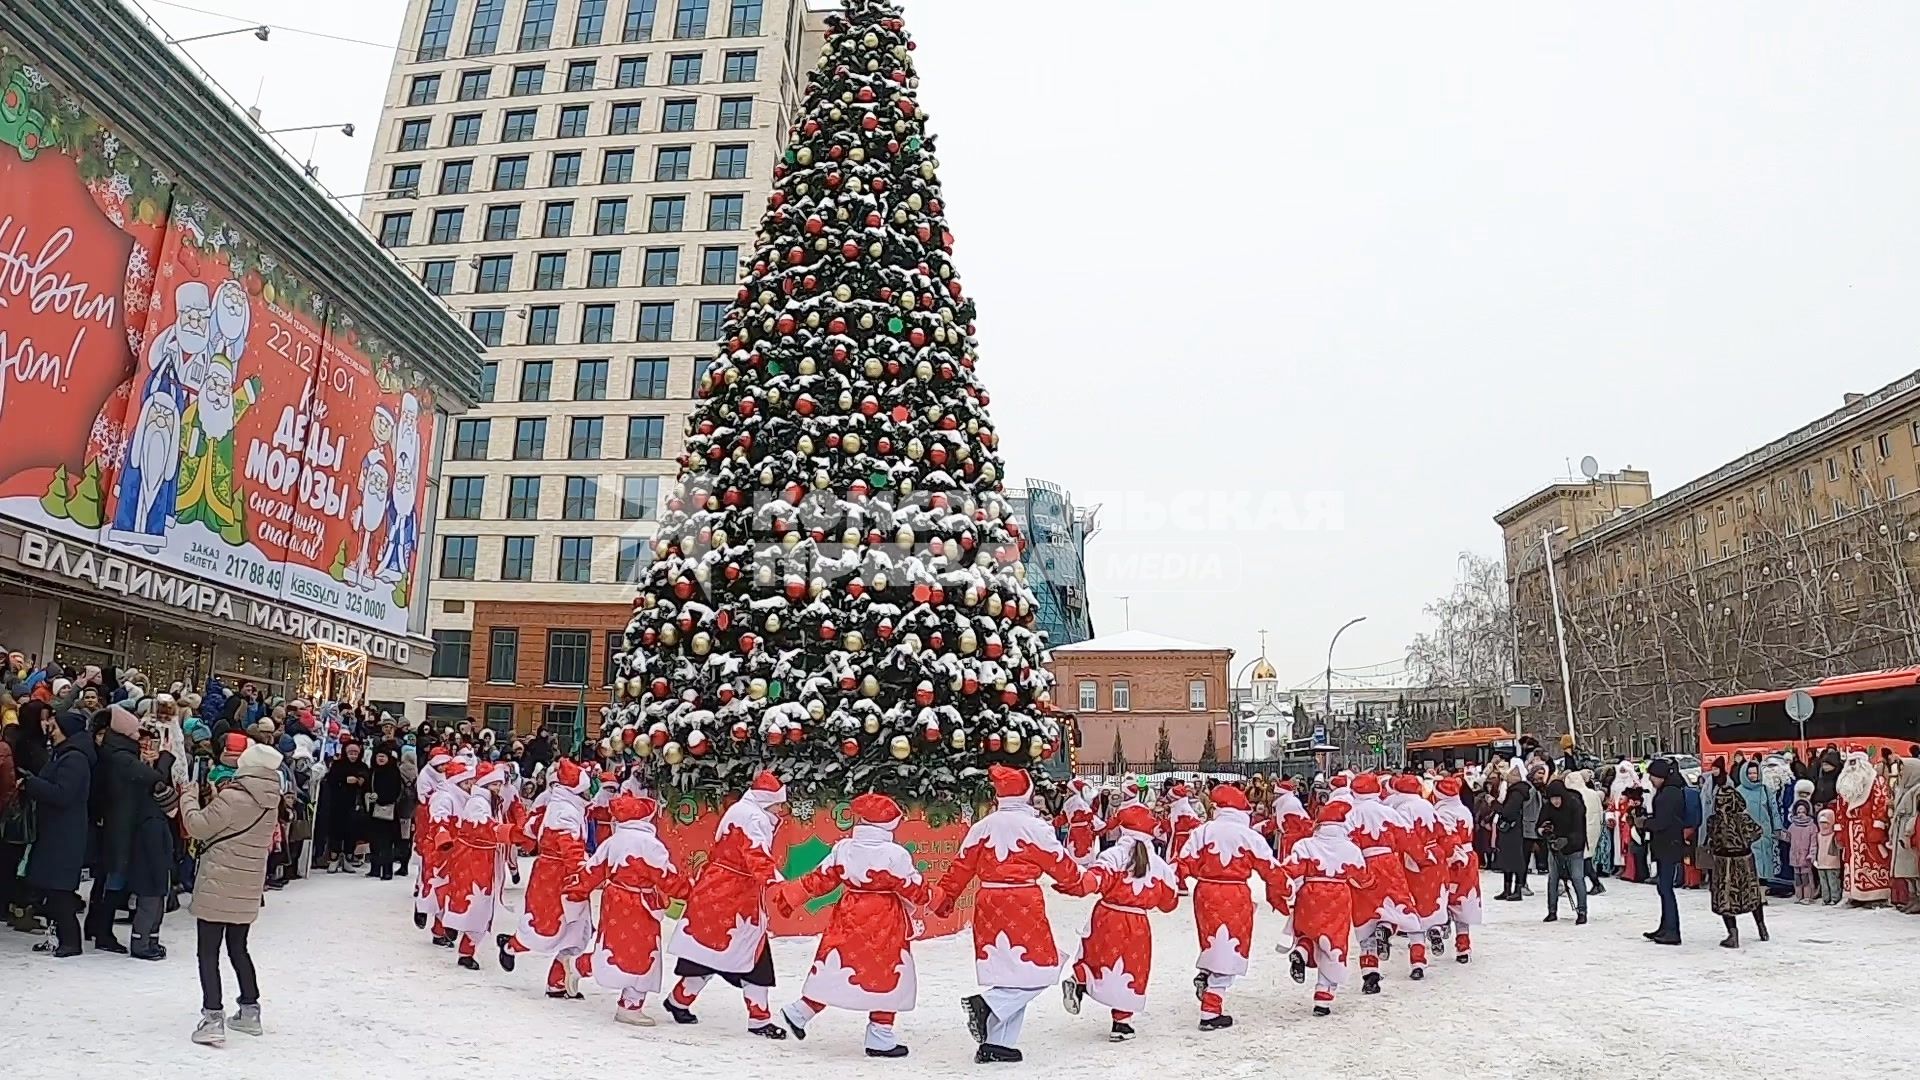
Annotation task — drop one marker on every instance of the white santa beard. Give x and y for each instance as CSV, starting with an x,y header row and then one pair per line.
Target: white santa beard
x,y
216,420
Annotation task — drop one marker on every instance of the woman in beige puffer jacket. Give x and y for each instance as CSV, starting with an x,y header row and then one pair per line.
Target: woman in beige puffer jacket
x,y
234,832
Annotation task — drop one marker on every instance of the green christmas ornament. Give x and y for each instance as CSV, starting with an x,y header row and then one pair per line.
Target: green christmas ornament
x,y
895,325
914,144
774,690
792,155
774,367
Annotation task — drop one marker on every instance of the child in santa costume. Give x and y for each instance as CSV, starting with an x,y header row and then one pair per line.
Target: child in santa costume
x,y
1083,826
1008,851
724,931
1221,856
1462,862
1116,948
1385,907
639,879
551,925
473,844
1290,821
426,785
1427,875
1181,819
865,958
1322,875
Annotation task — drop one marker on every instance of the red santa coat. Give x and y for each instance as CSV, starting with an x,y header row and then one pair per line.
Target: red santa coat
x,y
639,877
1009,851
1455,844
1383,838
865,958
1083,828
1182,819
1321,880
439,803
1427,876
1116,945
474,868
1865,827
726,921
552,924
1222,855
1291,823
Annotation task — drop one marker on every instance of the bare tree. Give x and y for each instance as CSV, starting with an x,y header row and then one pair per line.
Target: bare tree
x,y
1469,651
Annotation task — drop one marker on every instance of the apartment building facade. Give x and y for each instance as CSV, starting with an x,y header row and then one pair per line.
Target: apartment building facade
x,y
1790,563
580,180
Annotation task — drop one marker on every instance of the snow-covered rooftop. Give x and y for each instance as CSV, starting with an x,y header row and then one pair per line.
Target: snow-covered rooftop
x,y
1139,641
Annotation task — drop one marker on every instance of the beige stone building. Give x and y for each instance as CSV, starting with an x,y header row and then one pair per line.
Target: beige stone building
x,y
1789,563
579,180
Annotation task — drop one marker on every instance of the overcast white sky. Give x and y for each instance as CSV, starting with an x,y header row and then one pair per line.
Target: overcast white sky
x,y
1251,260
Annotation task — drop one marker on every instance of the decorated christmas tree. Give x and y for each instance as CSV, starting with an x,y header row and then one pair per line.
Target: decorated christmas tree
x,y
835,589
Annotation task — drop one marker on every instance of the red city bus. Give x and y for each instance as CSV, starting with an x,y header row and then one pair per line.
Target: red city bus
x,y
1870,710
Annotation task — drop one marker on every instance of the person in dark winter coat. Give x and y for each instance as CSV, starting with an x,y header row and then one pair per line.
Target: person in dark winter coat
x,y
62,820
1734,881
1666,829
138,841
1510,842
1826,778
1563,829
390,803
343,798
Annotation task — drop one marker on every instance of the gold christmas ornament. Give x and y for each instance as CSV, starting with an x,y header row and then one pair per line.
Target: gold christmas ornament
x,y
1011,740
669,634
1035,748
959,740
672,753
855,641
912,642
880,583
851,444
866,321
807,366
871,725
773,622
914,449
899,747
874,367
635,687
804,156
923,371
757,690
816,710
869,687
914,201
841,292
969,641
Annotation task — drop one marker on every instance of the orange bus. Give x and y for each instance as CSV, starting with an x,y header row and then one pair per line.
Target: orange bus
x,y
1870,710
1447,749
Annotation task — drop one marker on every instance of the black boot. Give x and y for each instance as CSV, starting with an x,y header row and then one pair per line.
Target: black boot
x,y
1732,940
1216,1023
1298,968
1760,922
419,920
766,1031
108,943
1323,1010
1437,941
506,954
1370,983
685,1016
989,1054
977,1013
1071,992
898,1050
470,963
1122,1031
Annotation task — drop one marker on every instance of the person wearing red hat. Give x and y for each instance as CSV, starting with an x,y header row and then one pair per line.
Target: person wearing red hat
x,y
1181,820
475,870
1321,875
1077,817
1427,876
550,924
426,783
865,958
1385,906
443,809
1290,821
1222,855
1116,948
1008,850
639,880
1462,863
724,931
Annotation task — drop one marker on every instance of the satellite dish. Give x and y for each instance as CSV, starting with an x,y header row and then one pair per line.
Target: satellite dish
x,y
1589,467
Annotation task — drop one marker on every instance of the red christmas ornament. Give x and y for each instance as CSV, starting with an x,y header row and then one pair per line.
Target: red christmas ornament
x,y
837,326
786,324
869,405
850,746
922,592
796,588
856,588
815,225
923,694
775,738
918,337
722,619
648,637
879,184
995,649
804,405
797,256
874,220
659,687
683,588
870,122
865,94
747,642
850,249
993,741
657,737
827,631
740,732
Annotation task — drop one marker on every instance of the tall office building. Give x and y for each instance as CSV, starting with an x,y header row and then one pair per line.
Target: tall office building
x,y
579,179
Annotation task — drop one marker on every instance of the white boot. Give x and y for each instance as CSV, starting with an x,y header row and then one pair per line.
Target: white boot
x,y
632,1016
212,1029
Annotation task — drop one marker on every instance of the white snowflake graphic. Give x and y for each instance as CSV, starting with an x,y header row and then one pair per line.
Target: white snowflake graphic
x,y
120,186
160,179
268,264
110,145
139,264
109,436
138,299
34,79
118,218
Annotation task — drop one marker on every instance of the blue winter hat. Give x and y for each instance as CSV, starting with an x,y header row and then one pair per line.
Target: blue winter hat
x,y
72,723
285,745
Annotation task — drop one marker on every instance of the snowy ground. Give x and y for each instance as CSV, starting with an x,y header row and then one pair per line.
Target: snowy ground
x,y
351,988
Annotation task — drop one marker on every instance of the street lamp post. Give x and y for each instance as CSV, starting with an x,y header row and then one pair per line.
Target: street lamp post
x,y
344,129
261,32
1559,628
1336,640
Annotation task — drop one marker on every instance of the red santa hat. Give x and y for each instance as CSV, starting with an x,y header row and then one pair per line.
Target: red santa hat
x,y
438,759
1334,813
1407,784
1010,783
458,771
1366,784
1339,780
1079,784
1134,818
1229,797
876,809
767,790
1287,784
235,742
1448,786
490,775
570,776
633,808
1180,790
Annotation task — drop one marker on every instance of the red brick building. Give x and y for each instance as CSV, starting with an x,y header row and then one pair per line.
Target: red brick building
x,y
531,662
1134,683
